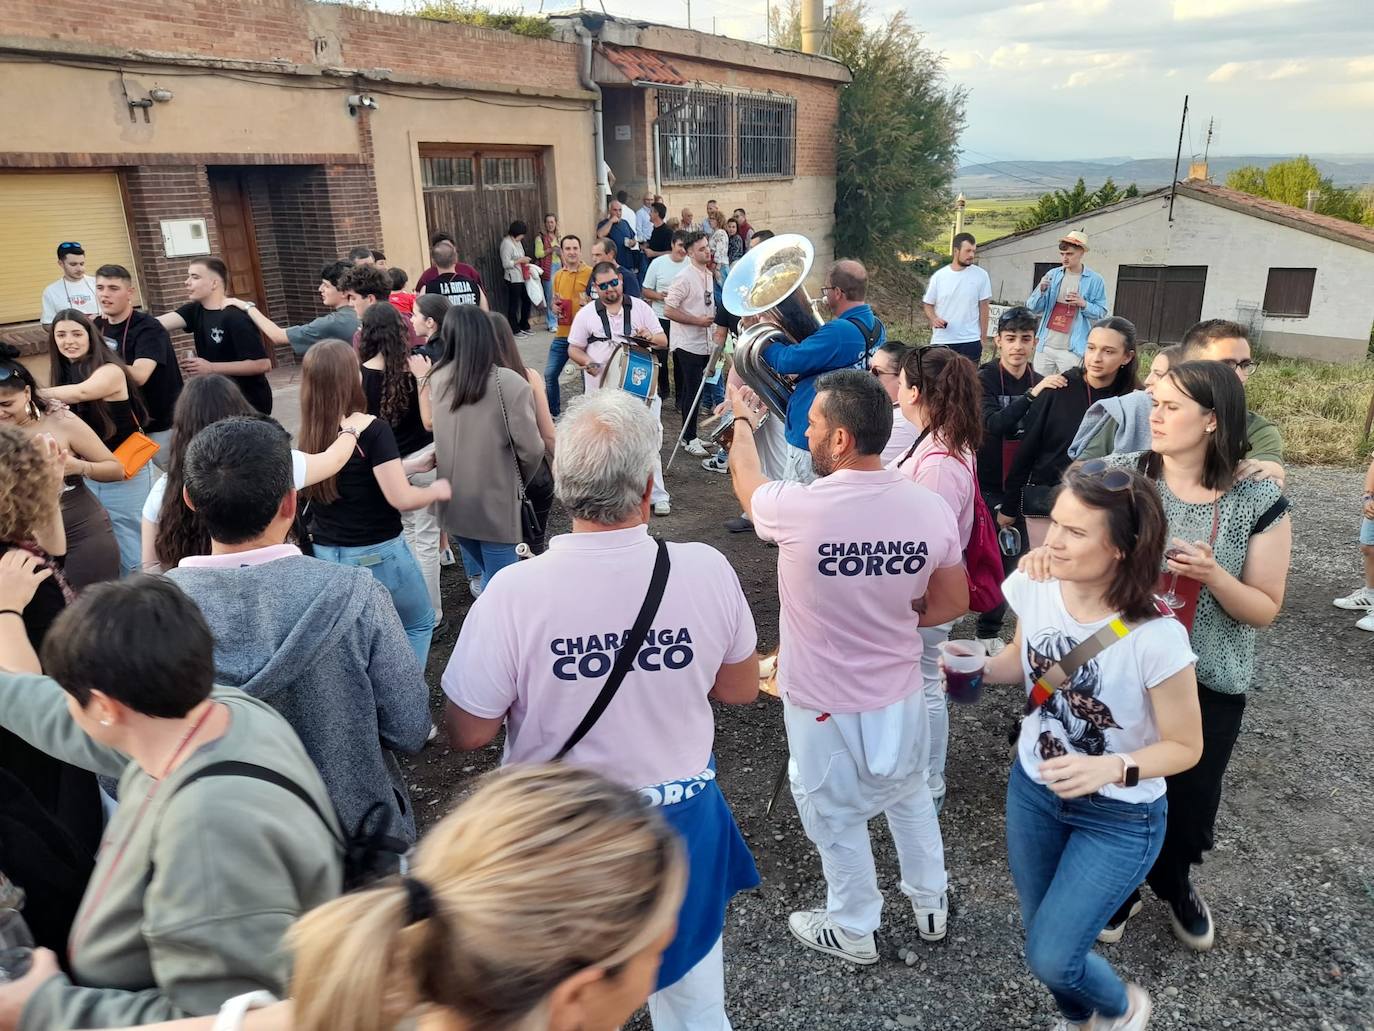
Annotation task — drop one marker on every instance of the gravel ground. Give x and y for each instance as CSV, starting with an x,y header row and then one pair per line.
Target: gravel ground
x,y
1291,882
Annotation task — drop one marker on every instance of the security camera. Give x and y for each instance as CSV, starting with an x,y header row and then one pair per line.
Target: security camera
x,y
357,100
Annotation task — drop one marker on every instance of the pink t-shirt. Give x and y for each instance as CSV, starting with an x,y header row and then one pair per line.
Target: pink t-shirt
x,y
538,645
855,549
587,324
950,476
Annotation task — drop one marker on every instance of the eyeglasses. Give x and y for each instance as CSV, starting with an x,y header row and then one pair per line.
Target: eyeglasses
x,y
609,284
1112,477
1247,366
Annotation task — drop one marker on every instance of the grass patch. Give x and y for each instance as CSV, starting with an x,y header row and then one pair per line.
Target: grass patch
x,y
1319,408
987,219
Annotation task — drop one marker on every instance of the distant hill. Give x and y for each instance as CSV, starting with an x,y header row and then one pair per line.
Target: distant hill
x,y
1023,178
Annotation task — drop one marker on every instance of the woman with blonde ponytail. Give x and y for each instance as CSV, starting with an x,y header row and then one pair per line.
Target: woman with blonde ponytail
x,y
542,904
939,393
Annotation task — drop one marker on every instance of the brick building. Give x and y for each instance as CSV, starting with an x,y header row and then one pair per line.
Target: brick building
x,y
192,128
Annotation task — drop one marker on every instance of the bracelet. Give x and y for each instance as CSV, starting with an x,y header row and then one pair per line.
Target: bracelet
x,y
349,430
11,612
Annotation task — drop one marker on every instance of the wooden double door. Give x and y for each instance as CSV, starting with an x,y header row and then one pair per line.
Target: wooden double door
x,y
1162,300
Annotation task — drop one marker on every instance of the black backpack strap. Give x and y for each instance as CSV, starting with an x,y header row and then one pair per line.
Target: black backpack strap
x,y
870,335
235,768
629,650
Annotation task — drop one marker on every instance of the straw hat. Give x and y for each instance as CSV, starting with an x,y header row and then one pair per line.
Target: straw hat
x,y
1077,237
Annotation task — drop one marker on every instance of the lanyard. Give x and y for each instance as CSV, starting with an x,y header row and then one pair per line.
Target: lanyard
x,y
1002,378
79,931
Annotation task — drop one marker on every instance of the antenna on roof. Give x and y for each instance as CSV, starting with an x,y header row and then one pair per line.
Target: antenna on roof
x,y
1207,147
1178,156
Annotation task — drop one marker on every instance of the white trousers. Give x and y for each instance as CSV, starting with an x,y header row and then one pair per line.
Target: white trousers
x,y
849,767
798,467
421,529
771,443
697,1001
660,491
937,704
1051,360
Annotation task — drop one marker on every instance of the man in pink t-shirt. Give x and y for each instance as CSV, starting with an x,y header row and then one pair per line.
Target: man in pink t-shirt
x,y
538,645
861,551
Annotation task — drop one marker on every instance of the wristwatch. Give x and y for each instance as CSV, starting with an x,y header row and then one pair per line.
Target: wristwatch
x,y
1130,773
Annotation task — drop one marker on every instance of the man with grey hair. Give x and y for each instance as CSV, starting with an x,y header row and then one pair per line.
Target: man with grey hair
x,y
540,649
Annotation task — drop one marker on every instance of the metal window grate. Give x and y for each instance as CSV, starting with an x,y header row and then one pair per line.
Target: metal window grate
x,y
447,173
767,137
694,130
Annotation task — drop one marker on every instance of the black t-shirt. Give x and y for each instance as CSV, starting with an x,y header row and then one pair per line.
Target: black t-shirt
x,y
1005,404
661,239
228,335
458,288
409,431
142,336
362,515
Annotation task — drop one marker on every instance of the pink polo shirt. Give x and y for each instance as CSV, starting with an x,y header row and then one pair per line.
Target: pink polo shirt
x,y
239,559
950,476
855,549
537,646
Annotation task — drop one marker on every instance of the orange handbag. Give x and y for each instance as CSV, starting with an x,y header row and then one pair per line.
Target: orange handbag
x,y
135,452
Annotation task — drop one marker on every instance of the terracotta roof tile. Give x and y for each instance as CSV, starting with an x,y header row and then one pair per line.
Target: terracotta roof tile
x,y
642,65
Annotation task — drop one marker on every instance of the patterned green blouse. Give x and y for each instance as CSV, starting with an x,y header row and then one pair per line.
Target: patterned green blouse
x,y
1225,647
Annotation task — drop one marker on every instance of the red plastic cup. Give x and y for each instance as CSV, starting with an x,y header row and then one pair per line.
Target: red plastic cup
x,y
964,663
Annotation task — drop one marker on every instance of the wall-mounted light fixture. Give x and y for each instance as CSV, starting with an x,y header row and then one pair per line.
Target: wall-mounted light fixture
x,y
363,100
161,94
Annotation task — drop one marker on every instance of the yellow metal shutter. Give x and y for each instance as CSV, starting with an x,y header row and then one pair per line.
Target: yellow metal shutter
x,y
39,210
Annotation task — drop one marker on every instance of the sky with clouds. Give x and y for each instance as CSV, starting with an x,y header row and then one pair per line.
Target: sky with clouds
x,y
1099,78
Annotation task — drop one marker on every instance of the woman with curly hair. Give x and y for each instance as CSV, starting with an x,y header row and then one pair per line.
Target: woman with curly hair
x,y
171,531
394,396
939,394
31,537
94,380
92,554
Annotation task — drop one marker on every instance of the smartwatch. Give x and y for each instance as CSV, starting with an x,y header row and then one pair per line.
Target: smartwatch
x,y
1130,773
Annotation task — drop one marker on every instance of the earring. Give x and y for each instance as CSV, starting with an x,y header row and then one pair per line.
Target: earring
x,y
104,723
1210,428
32,409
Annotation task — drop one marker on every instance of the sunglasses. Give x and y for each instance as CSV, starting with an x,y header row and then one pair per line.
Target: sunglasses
x,y
1012,315
880,373
608,285
71,244
8,372
1112,477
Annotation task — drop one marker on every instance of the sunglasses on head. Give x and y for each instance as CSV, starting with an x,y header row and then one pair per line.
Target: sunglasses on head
x,y
1112,477
70,245
1013,314
8,372
608,284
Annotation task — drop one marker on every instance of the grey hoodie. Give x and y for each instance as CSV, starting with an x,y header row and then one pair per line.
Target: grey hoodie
x,y
1114,424
192,890
322,644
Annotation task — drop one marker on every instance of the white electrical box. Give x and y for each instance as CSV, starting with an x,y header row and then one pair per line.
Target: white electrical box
x,y
184,237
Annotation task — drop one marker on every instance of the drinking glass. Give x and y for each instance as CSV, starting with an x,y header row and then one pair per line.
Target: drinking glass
x,y
16,945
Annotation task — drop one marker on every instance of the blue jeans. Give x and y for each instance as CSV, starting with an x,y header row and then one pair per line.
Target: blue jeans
x,y
484,558
1074,861
123,501
395,568
553,368
548,304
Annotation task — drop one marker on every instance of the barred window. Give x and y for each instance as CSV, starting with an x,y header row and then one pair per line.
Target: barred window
x,y
508,173
447,172
767,136
694,129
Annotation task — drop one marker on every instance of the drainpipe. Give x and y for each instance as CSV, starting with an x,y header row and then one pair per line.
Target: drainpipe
x,y
584,72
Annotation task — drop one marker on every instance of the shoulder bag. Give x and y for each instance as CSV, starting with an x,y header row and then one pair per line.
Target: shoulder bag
x,y
629,651
136,450
531,526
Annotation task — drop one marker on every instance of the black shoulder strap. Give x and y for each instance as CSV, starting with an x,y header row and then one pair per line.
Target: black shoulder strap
x,y
629,650
606,318
870,334
912,450
1270,516
235,768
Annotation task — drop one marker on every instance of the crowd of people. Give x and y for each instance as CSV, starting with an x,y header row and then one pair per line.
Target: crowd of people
x,y
188,816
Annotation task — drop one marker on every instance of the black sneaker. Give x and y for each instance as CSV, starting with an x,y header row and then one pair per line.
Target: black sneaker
x,y
739,524
1192,921
1116,926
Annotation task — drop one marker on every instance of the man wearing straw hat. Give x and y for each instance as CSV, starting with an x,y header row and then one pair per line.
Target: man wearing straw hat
x,y
1068,299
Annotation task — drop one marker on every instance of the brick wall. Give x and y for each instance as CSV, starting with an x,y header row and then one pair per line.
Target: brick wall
x,y
155,193
301,32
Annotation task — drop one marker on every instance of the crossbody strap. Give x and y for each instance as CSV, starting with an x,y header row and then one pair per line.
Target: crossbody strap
x,y
629,650
1062,671
505,419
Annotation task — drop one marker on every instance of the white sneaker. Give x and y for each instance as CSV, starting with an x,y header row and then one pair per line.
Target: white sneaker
x,y
446,557
475,585
1137,1015
717,463
433,733
696,447
817,931
1064,1024
1366,621
662,508
931,924
1361,599
994,645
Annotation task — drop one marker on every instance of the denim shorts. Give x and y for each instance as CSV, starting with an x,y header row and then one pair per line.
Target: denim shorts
x,y
1367,531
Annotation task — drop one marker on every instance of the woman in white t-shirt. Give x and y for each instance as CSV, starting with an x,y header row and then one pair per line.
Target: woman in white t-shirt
x,y
939,395
1085,802
171,530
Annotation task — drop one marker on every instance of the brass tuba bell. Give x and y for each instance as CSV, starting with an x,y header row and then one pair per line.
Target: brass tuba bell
x,y
767,284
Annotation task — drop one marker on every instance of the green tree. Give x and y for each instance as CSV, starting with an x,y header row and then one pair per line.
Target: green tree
x,y
897,131
1062,204
1289,182
467,12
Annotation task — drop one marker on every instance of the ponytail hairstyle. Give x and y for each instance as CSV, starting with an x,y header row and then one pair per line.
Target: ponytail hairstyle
x,y
1127,377
63,371
545,871
383,331
433,307
1136,525
204,400
20,378
331,389
949,392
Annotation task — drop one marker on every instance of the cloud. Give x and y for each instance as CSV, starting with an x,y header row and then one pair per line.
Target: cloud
x,y
1288,70
1361,67
1206,10
1226,72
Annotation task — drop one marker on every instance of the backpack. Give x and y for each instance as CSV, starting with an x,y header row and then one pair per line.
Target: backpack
x,y
870,335
982,556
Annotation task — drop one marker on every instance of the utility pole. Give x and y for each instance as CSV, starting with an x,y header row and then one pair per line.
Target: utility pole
x,y
1178,154
768,22
1207,147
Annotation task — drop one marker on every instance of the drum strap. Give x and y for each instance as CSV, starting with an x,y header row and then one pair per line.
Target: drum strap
x,y
606,319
